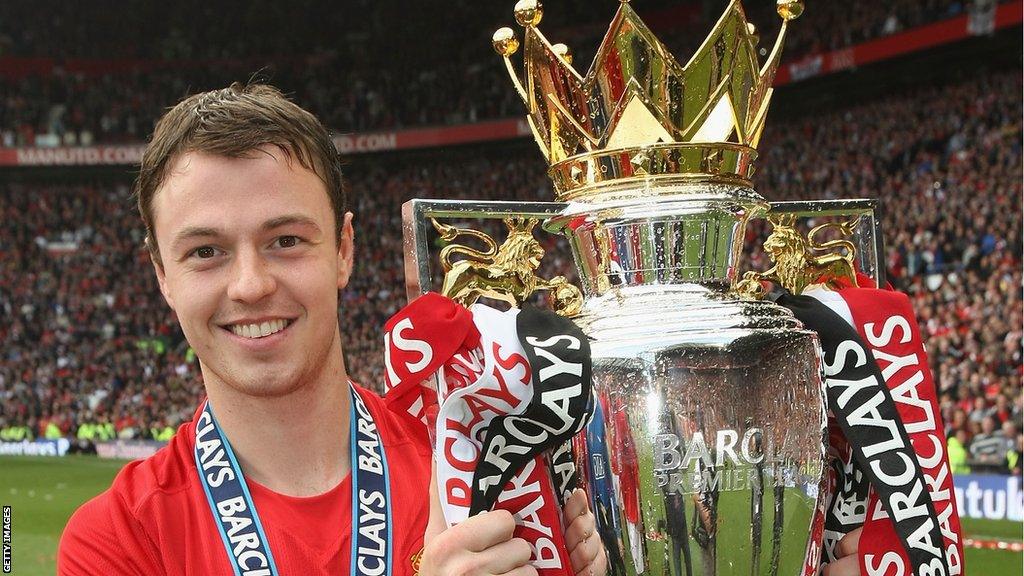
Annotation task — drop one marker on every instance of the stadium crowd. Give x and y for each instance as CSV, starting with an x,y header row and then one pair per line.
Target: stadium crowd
x,y
87,339
91,352
351,80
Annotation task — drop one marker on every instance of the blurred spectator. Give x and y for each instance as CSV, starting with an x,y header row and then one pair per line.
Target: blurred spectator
x,y
956,447
989,449
1013,462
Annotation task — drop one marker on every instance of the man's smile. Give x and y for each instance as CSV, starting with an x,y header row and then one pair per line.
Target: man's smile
x,y
258,328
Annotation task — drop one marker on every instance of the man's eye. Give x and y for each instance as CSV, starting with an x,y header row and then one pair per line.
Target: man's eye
x,y
288,241
205,252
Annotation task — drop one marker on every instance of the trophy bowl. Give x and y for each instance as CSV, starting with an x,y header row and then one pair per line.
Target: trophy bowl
x,y
706,451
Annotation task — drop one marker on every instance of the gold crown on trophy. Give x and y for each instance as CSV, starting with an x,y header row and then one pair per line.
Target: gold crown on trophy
x,y
638,114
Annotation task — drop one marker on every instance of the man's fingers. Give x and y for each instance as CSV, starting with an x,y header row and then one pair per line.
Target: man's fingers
x,y
480,532
843,567
582,529
848,563
522,571
579,521
584,554
586,551
849,544
575,506
507,557
597,567
482,544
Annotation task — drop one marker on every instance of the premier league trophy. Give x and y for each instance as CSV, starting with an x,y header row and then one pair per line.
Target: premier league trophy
x,y
705,453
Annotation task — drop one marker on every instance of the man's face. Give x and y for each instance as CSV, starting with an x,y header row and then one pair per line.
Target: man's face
x,y
988,425
251,268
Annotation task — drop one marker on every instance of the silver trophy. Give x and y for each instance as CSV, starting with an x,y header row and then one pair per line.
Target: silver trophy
x,y
706,451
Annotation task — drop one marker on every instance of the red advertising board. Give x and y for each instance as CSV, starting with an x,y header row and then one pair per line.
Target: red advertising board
x,y
73,156
920,38
431,137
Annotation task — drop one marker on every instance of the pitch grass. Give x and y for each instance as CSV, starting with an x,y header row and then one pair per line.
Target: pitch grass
x,y
44,492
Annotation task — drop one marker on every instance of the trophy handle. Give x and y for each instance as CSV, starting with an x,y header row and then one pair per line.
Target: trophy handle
x,y
799,260
505,271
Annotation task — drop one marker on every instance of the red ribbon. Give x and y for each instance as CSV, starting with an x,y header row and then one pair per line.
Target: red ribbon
x,y
886,322
433,333
430,332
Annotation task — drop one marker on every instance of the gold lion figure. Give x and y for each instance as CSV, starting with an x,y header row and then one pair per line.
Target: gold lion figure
x,y
800,262
507,272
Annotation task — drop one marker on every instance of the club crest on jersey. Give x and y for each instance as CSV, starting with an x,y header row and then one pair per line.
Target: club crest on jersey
x,y
414,561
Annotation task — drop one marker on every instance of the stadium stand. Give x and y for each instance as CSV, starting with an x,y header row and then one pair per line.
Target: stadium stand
x,y
72,86
86,347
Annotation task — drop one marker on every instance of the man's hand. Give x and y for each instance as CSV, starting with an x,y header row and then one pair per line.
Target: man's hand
x,y
586,552
482,545
847,564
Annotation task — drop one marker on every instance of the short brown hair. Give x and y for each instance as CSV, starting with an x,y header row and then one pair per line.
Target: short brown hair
x,y
233,122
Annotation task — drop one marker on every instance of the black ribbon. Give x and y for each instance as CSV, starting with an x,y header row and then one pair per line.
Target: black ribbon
x,y
559,356
867,415
847,509
562,467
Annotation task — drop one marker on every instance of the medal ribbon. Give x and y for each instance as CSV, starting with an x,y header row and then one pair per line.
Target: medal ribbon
x,y
233,510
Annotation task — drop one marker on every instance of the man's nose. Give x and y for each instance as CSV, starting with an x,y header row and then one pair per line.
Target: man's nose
x,y
252,279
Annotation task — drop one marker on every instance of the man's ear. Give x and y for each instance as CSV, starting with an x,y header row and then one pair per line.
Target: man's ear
x,y
346,251
161,276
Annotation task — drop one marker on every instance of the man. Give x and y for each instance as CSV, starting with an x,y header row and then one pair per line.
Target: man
x,y
1013,456
989,448
286,466
956,447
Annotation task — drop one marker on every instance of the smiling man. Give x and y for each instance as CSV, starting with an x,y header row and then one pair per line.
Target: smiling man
x,y
288,467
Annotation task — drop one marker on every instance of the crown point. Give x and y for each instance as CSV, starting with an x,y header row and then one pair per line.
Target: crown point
x,y
752,32
529,13
790,9
505,41
563,51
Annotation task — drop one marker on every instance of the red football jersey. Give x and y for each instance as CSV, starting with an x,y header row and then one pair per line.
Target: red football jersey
x,y
155,519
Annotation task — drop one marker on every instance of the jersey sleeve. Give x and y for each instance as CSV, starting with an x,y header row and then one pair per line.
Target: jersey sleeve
x,y
104,537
